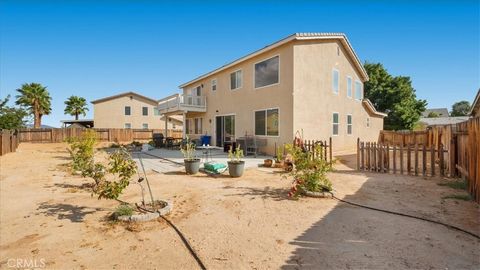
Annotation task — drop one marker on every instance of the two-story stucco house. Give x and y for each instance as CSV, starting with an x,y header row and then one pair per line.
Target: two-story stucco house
x,y
131,110
310,82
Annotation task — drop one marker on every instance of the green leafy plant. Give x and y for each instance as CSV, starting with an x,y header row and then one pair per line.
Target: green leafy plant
x,y
235,156
123,210
82,151
122,167
310,170
188,150
279,154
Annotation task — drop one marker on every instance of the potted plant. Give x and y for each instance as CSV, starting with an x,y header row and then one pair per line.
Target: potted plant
x,y
192,164
267,162
279,158
236,166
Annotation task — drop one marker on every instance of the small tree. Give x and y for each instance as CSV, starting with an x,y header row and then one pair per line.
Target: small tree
x,y
461,108
432,115
10,117
75,106
36,98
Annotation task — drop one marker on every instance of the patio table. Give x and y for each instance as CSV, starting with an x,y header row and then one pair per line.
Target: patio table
x,y
207,151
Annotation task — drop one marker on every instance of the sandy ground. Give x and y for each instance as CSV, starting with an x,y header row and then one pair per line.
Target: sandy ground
x,y
47,215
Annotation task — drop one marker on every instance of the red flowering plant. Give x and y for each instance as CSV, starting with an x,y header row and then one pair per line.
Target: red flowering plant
x,y
310,169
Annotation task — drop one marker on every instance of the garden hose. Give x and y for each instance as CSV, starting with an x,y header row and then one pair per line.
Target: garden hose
x,y
407,215
184,239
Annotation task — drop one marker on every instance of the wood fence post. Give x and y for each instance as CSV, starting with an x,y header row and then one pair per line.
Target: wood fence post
x,y
452,153
394,159
416,159
363,155
432,159
424,160
330,148
409,159
440,152
401,159
358,154
388,159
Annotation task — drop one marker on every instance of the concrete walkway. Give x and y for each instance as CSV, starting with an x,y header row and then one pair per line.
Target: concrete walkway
x,y
165,160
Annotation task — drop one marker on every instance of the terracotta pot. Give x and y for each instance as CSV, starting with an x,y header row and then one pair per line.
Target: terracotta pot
x,y
267,162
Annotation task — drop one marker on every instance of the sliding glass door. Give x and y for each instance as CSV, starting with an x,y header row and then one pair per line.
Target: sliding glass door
x,y
224,129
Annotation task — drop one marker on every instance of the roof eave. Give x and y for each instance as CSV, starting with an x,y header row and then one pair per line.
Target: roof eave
x,y
281,42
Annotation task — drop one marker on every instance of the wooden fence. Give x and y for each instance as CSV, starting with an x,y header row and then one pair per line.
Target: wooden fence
x,y
111,134
459,144
466,140
410,160
435,136
9,141
309,145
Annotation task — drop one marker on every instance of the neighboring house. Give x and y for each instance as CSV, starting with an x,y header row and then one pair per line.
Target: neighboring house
x,y
311,83
130,110
440,121
475,110
439,112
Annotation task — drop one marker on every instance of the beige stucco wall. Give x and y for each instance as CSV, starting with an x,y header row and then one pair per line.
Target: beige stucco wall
x,y
111,114
244,101
315,101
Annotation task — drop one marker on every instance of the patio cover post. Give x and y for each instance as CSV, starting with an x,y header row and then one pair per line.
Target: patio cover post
x,y
184,131
166,125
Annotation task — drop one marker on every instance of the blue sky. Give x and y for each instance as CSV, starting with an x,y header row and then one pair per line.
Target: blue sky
x,y
99,48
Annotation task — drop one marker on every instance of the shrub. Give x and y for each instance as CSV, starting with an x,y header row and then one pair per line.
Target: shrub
x,y
310,170
188,150
123,210
121,166
235,156
82,150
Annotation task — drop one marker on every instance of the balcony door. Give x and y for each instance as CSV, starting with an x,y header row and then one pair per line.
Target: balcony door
x,y
193,96
224,129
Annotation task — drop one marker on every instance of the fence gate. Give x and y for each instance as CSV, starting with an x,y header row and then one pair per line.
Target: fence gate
x,y
410,159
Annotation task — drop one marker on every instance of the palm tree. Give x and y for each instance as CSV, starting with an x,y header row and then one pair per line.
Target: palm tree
x,y
75,106
36,98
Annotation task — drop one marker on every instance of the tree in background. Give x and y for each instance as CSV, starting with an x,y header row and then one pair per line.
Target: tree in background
x,y
432,115
11,117
36,98
75,106
461,108
393,95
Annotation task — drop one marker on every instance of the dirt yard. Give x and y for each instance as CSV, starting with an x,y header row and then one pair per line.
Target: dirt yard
x,y
49,216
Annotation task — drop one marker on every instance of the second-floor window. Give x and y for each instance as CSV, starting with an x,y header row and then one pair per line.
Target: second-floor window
x,y
358,90
128,110
335,83
214,85
349,87
335,124
144,110
267,72
156,111
236,80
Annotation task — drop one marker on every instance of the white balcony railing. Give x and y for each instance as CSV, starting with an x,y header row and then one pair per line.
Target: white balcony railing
x,y
178,102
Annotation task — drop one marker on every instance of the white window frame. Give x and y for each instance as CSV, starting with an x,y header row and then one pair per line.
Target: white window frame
x,y
349,83
199,121
190,125
156,111
361,90
338,123
143,107
143,125
350,125
337,92
213,83
129,126
236,80
266,110
129,110
273,56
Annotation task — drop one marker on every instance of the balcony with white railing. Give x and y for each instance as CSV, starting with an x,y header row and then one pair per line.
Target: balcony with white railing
x,y
182,103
